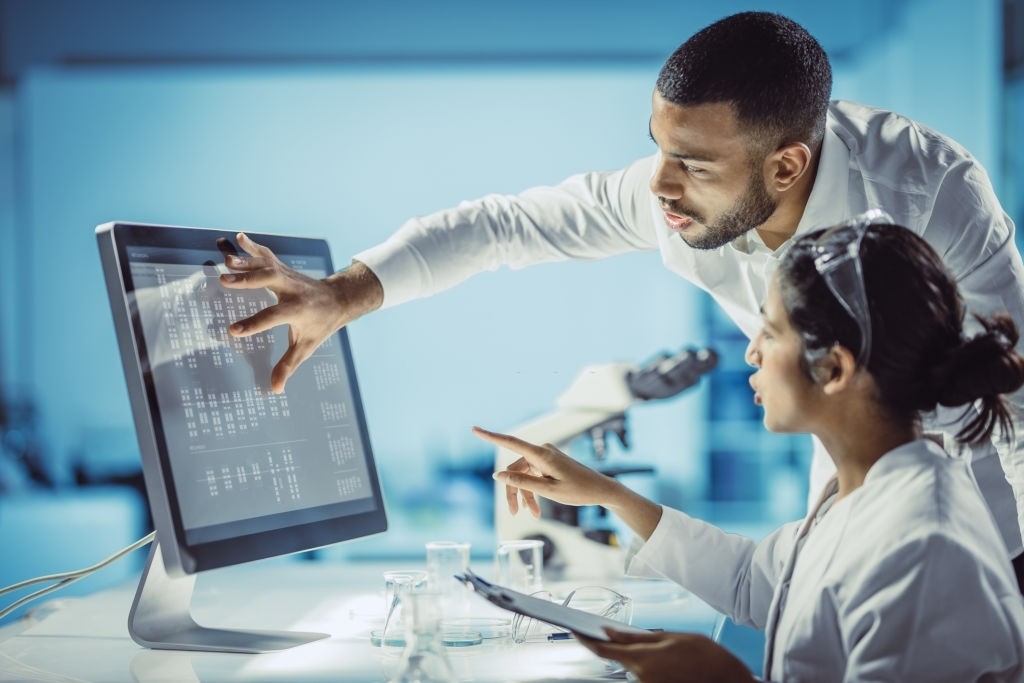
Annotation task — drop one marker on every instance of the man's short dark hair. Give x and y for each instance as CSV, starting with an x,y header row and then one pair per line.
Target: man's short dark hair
x,y
768,67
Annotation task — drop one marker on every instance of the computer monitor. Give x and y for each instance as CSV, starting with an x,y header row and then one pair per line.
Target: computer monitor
x,y
233,472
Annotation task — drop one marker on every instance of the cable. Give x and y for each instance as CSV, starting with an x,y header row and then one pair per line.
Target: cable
x,y
38,594
148,538
64,579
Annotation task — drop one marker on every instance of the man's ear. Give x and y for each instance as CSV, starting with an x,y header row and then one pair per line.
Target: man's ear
x,y
786,165
835,371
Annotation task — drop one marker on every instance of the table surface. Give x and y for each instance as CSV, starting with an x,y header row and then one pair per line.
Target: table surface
x,y
86,638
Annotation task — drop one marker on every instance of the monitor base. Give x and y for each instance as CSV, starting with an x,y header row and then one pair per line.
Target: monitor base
x,y
160,618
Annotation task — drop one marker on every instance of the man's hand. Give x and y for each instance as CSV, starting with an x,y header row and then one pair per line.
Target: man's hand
x,y
670,657
312,309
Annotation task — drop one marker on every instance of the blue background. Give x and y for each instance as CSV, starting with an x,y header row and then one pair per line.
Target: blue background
x,y
342,120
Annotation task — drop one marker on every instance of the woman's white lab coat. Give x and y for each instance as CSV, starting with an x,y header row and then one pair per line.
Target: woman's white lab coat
x,y
905,579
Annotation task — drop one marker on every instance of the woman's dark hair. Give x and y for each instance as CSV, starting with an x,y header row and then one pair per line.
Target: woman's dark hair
x,y
768,67
919,357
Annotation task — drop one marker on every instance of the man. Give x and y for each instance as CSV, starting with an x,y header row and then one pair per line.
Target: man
x,y
750,153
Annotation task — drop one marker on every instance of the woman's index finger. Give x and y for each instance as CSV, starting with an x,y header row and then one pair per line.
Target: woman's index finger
x,y
513,443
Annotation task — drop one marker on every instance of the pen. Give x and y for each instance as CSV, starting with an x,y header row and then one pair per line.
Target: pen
x,y
565,635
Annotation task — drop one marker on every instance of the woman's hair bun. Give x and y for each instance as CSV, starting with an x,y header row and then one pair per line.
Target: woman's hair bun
x,y
982,367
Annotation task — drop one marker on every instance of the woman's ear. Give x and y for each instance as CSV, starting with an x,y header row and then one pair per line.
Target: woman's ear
x,y
835,370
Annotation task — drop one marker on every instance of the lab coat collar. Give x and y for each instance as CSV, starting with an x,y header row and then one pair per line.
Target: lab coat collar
x,y
827,204
901,456
787,599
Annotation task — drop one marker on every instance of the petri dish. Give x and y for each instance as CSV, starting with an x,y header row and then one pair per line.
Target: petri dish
x,y
449,638
377,639
461,638
489,628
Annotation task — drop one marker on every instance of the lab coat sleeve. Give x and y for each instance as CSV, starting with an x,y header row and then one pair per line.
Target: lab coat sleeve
x,y
734,574
897,624
976,240
587,216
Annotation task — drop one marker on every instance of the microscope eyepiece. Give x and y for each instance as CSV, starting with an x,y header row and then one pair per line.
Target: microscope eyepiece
x,y
669,374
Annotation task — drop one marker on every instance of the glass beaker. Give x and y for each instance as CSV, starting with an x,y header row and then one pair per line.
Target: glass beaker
x,y
424,659
446,560
519,565
397,584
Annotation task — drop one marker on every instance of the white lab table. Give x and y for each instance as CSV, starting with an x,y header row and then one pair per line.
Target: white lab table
x,y
86,638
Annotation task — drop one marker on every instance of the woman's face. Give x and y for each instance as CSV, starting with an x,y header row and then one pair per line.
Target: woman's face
x,y
790,398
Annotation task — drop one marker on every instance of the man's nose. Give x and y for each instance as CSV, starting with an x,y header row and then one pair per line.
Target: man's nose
x,y
665,182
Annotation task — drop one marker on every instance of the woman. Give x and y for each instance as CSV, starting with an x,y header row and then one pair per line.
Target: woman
x,y
899,573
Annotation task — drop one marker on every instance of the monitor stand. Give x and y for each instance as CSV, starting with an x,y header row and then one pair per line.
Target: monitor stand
x,y
160,618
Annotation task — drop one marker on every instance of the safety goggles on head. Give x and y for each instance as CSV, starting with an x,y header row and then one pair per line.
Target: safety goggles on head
x,y
837,260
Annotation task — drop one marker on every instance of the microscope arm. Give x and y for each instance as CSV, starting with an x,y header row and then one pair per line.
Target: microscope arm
x,y
558,429
597,400
599,393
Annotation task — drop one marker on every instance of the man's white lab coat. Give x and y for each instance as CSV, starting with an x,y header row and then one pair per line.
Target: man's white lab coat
x,y
870,158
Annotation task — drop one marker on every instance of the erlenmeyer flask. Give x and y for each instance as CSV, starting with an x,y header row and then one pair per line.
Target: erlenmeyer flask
x,y
424,659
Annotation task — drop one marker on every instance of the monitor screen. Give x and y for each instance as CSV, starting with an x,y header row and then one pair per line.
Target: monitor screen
x,y
233,471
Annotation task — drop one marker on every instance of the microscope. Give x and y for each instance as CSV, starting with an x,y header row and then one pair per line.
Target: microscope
x,y
594,406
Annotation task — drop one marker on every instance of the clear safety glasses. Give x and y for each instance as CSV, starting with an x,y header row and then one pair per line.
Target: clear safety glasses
x,y
597,600
837,260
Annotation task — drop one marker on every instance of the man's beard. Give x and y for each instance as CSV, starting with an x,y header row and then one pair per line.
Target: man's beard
x,y
750,210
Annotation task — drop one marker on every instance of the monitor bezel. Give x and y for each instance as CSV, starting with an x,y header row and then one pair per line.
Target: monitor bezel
x,y
179,554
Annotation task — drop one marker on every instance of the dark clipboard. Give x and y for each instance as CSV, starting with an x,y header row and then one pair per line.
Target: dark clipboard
x,y
574,620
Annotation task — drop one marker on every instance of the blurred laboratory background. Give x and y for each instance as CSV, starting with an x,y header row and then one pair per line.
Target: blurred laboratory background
x,y
341,120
